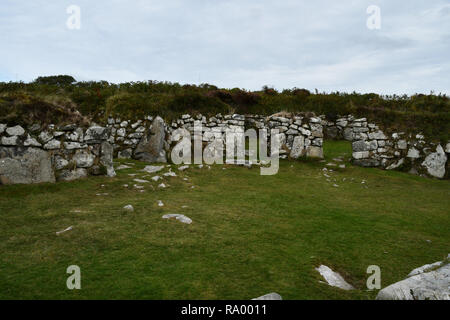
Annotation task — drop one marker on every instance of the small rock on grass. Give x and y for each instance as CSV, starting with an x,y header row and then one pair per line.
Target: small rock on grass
x,y
333,278
160,203
269,296
128,207
65,230
180,217
162,185
182,168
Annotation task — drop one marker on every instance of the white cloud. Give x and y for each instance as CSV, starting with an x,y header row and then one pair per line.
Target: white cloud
x,y
233,43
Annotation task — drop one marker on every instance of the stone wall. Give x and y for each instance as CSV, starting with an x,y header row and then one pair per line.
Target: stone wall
x,y
36,154
151,139
373,147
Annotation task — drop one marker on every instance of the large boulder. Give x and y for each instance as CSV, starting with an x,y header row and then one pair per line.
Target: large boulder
x,y
25,165
151,148
430,282
435,163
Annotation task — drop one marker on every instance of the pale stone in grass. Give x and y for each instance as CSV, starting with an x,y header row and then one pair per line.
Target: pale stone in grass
x,y
269,296
429,282
65,230
180,217
162,186
153,169
160,203
182,168
129,208
156,178
333,278
122,167
141,181
170,174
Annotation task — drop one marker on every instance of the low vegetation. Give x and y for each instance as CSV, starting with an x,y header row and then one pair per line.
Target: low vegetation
x,y
429,114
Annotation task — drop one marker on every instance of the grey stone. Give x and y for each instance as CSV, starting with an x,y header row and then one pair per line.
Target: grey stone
x,y
129,208
71,175
359,146
15,131
96,134
31,142
435,163
2,127
447,148
10,141
395,165
378,135
269,296
125,154
60,162
153,169
413,153
76,135
83,159
348,134
45,136
180,217
151,148
73,145
360,154
25,165
106,158
298,147
52,144
334,279
425,285
402,144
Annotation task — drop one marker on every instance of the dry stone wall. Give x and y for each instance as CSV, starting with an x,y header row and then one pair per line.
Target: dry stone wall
x,y
36,154
151,139
372,147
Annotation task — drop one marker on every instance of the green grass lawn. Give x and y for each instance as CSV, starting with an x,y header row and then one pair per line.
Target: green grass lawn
x,y
250,235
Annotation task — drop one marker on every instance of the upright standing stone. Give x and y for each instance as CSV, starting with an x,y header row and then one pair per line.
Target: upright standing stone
x,y
151,146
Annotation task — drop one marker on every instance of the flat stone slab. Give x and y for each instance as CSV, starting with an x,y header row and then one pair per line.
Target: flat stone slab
x,y
334,279
153,169
269,296
429,282
180,217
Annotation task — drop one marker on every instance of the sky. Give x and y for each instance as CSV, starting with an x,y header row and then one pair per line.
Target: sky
x,y
322,44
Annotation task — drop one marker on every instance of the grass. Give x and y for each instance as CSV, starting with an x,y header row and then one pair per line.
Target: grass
x,y
250,235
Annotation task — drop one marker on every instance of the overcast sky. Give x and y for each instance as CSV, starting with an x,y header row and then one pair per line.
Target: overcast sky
x,y
323,44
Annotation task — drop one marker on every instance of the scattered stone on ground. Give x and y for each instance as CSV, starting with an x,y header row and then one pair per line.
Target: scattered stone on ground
x,y
65,230
122,167
269,296
153,169
333,278
342,166
429,282
156,178
128,207
102,194
138,186
160,203
180,217
170,174
141,181
182,168
162,185
125,185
